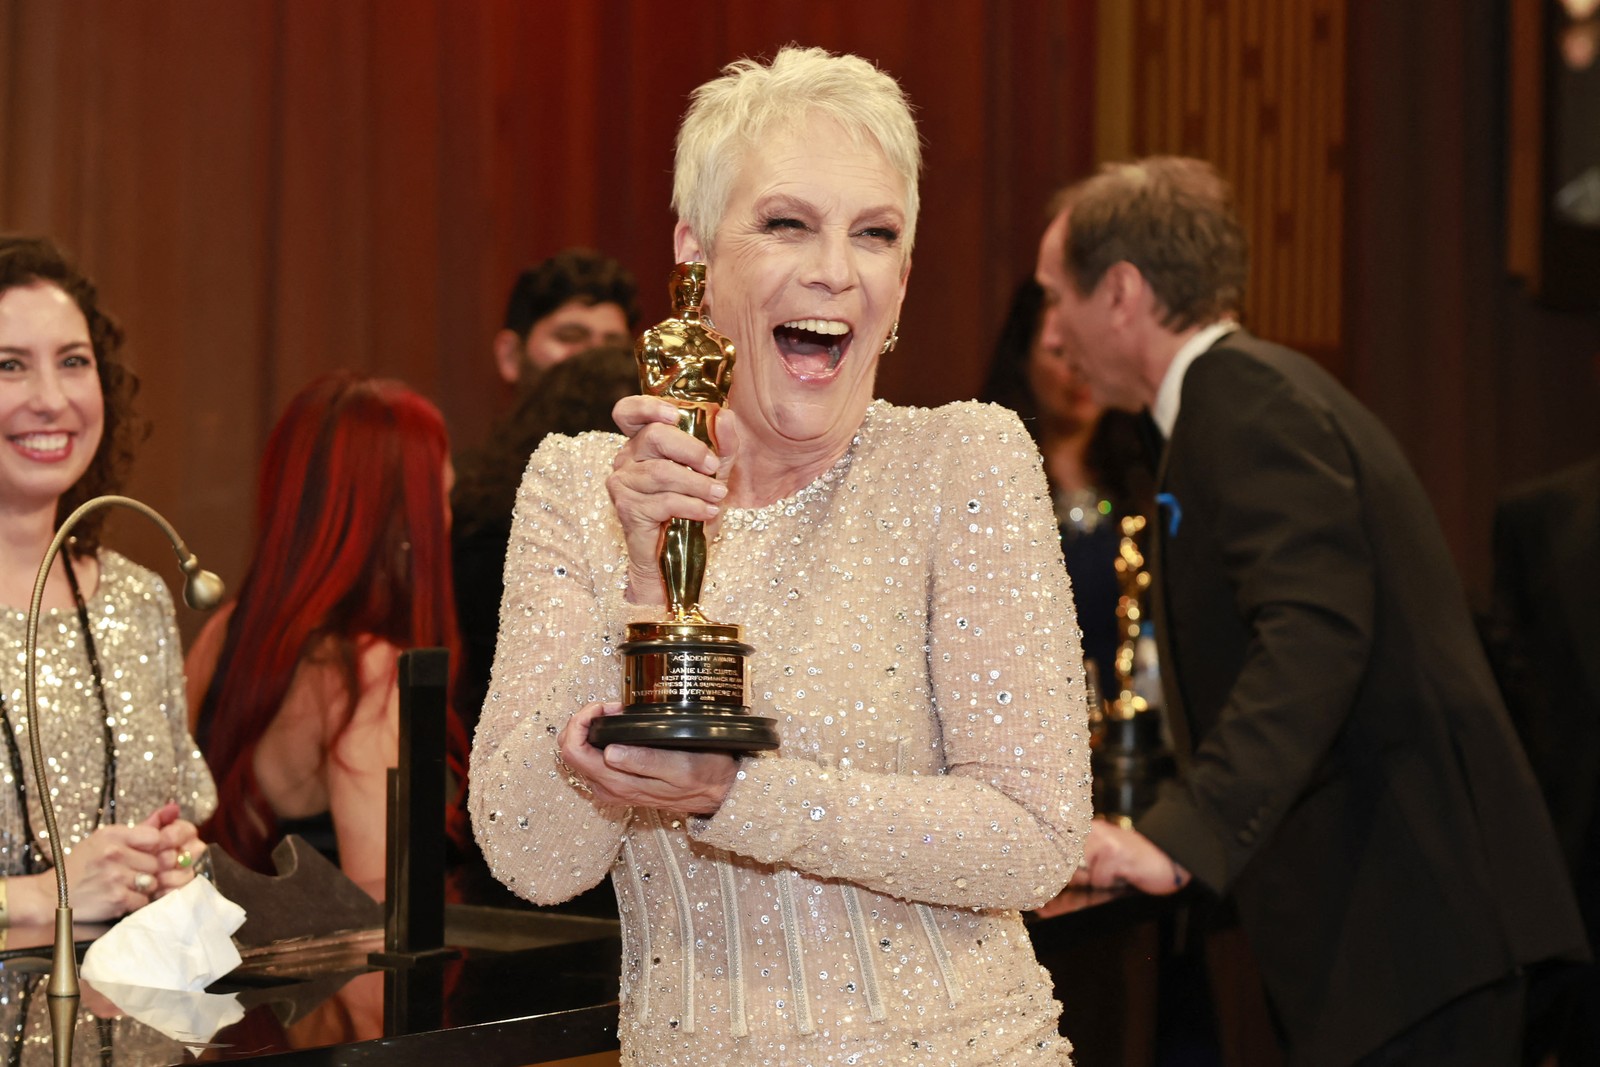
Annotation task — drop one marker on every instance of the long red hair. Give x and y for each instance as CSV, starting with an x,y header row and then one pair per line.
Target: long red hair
x,y
352,543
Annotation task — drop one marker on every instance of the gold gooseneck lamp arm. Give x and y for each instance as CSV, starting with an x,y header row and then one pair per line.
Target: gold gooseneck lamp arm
x,y
202,590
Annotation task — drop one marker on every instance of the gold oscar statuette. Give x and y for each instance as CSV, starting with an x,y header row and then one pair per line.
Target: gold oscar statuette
x,y
683,677
1127,754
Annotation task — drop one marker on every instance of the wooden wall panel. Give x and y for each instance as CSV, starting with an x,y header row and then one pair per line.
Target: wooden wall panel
x,y
1257,87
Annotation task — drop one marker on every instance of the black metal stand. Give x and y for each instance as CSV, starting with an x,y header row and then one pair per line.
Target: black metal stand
x,y
413,928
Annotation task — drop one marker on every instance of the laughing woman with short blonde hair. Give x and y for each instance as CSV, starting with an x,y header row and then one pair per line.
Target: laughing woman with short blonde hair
x,y
852,897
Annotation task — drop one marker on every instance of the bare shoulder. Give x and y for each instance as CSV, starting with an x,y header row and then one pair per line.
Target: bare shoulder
x,y
377,698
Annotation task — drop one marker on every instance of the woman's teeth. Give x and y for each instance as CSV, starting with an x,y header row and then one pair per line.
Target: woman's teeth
x,y
41,442
822,326
812,346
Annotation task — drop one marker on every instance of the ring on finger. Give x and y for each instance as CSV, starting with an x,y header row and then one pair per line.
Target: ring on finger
x,y
144,882
186,858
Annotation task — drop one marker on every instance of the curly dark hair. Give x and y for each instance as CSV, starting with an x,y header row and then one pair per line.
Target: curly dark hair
x,y
1007,383
575,395
574,274
1171,217
26,261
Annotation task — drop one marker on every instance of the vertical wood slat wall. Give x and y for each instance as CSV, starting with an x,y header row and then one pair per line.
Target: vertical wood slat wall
x,y
1258,88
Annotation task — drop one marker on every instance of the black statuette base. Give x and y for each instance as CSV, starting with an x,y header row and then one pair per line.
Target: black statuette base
x,y
701,731
684,686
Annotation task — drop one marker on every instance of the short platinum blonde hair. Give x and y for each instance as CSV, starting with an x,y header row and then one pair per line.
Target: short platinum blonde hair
x,y
733,113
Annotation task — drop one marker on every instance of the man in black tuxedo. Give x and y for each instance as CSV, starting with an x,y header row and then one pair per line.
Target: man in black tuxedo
x,y
1348,774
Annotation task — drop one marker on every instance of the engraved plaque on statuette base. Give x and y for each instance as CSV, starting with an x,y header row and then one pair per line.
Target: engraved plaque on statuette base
x,y
684,686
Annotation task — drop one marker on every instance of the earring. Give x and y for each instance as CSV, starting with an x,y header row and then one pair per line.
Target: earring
x,y
893,338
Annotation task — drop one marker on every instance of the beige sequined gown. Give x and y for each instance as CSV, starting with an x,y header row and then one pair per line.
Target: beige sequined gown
x,y
141,659
855,899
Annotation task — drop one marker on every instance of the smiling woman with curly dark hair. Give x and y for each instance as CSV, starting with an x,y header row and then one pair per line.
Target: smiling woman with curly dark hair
x,y
69,429
24,260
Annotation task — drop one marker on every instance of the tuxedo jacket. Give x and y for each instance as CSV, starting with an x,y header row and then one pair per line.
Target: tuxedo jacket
x,y
1546,633
1348,772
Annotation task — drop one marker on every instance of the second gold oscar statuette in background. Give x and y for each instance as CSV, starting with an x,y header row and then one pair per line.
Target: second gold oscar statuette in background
x,y
683,678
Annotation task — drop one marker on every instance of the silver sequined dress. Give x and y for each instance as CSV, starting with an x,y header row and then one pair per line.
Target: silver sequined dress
x,y
854,900
141,659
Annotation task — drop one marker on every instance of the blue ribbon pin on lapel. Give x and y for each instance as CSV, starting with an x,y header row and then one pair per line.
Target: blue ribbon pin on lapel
x,y
1174,512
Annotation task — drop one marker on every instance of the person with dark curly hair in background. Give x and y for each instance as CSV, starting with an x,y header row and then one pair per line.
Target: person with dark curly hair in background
x,y
571,397
572,302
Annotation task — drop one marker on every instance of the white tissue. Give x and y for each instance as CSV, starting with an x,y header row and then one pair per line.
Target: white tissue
x,y
182,941
189,1018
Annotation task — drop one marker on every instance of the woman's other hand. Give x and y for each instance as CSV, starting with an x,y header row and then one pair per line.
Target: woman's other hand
x,y
695,783
115,871
662,473
180,850
120,869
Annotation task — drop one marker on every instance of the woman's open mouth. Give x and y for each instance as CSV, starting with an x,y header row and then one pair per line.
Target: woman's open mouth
x,y
812,349
44,446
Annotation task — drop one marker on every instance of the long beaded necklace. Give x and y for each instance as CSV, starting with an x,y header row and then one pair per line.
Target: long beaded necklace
x,y
106,808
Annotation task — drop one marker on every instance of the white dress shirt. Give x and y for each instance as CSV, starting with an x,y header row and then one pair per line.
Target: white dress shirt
x,y
1165,409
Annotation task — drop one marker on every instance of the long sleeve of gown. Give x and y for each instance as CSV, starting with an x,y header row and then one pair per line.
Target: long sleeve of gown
x,y
915,640
542,836
998,819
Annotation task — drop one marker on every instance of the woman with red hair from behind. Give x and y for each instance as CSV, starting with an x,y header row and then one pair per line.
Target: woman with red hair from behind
x,y
299,718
